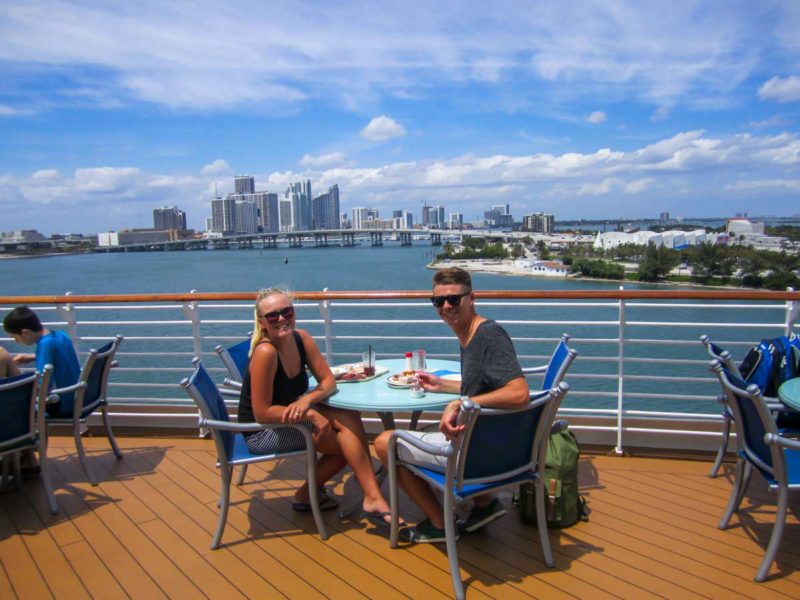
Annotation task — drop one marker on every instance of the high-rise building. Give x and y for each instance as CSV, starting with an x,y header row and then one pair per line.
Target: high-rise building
x,y
503,209
362,217
397,214
267,205
286,215
299,195
440,220
325,210
246,217
408,219
539,223
223,214
456,221
664,218
169,217
244,184
426,215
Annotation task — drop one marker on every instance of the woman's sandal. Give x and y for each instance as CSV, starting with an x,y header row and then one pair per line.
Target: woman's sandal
x,y
326,502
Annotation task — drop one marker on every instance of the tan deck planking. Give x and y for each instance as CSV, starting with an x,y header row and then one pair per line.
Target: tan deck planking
x,y
652,533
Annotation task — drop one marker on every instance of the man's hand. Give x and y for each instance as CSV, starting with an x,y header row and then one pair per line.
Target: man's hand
x,y
24,359
448,425
437,385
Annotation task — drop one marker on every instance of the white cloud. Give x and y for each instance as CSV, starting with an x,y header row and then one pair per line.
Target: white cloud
x,y
383,128
787,184
597,116
688,169
10,111
660,113
323,160
218,167
781,90
164,54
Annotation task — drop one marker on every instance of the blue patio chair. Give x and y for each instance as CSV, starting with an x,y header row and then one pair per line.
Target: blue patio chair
x,y
474,466
785,420
91,395
21,422
236,360
231,447
555,370
763,448
724,357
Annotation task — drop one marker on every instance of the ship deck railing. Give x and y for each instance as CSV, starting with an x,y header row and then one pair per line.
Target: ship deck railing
x,y
641,379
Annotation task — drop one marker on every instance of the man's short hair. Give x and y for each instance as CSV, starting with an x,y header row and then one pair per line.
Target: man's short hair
x,y
452,276
21,318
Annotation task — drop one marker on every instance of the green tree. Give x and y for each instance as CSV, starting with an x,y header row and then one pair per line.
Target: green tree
x,y
710,261
657,262
542,250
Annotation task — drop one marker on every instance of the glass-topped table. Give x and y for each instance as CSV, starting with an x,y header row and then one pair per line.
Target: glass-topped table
x,y
377,396
789,393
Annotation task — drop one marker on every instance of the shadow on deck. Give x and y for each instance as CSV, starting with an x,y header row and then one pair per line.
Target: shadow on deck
x,y
145,532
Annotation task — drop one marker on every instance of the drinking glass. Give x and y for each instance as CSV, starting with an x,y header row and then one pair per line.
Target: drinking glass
x,y
419,365
368,360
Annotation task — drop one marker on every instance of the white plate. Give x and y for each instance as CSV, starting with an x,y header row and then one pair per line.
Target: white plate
x,y
396,381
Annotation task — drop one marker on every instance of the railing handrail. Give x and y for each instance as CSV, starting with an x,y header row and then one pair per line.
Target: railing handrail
x,y
611,294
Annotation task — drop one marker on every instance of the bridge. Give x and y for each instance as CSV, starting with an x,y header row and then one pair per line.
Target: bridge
x,y
320,238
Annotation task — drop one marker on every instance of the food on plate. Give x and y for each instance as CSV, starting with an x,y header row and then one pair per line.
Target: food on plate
x,y
354,372
401,380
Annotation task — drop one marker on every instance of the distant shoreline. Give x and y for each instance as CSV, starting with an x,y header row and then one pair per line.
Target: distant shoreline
x,y
475,266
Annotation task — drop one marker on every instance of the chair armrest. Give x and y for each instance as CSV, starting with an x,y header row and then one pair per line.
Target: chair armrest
x,y
777,405
232,383
240,427
114,363
54,396
229,392
533,370
783,442
435,449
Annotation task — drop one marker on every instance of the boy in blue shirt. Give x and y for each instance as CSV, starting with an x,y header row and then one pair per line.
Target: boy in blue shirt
x,y
52,347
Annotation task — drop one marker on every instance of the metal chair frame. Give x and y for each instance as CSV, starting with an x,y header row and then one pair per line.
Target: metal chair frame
x,y
31,433
456,486
760,446
91,381
232,450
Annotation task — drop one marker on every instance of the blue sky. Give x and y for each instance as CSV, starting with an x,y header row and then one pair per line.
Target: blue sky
x,y
583,109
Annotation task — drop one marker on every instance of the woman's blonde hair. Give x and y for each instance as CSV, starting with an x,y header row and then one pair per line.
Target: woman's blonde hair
x,y
259,333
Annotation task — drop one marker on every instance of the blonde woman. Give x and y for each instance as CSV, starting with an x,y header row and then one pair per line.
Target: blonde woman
x,y
275,390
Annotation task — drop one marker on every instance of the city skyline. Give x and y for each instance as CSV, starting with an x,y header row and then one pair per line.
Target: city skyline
x,y
583,110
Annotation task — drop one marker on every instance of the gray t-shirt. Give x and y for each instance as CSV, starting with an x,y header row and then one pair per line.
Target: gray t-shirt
x,y
489,361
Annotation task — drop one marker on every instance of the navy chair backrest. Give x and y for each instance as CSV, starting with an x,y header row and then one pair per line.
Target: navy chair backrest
x,y
17,399
94,379
556,366
211,404
502,442
751,417
240,355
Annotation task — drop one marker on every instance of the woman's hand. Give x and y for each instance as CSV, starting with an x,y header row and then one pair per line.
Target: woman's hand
x,y
297,411
322,426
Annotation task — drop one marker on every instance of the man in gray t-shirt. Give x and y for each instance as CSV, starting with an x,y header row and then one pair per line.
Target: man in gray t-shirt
x,y
490,375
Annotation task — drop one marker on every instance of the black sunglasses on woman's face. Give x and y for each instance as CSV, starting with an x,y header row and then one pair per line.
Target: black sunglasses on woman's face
x,y
452,299
274,316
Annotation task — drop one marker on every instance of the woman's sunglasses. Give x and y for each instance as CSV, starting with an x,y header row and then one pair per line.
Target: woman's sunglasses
x,y
275,316
452,299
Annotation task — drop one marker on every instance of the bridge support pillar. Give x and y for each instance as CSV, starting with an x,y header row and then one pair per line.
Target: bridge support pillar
x,y
376,238
436,239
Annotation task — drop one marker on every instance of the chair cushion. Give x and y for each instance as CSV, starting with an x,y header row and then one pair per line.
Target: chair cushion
x,y
792,458
242,454
472,490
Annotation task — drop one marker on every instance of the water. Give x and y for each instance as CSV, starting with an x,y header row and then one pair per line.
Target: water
x,y
391,267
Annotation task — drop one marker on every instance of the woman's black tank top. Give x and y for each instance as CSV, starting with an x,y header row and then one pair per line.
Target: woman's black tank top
x,y
285,390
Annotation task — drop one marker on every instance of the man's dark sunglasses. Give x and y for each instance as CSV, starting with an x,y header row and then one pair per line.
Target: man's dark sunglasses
x,y
274,316
452,299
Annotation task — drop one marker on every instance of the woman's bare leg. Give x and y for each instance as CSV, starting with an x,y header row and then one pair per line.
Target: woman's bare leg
x,y
352,441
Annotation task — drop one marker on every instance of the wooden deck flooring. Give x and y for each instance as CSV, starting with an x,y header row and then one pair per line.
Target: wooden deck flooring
x,y
145,531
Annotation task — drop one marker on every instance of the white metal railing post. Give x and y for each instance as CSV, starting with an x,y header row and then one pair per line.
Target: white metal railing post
x,y
192,312
620,373
325,312
792,312
67,312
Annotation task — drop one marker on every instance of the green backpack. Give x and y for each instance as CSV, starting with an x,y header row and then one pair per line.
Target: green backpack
x,y
564,505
